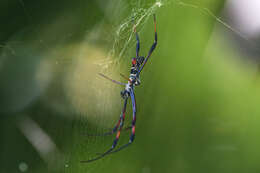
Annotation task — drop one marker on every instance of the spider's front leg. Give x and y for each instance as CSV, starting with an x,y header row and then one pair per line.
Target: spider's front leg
x,y
152,47
137,42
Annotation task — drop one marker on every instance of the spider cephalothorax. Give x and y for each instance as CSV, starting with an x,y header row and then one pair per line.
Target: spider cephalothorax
x,y
137,65
134,78
137,62
140,60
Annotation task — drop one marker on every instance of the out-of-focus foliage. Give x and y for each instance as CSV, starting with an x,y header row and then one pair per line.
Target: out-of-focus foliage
x,y
197,105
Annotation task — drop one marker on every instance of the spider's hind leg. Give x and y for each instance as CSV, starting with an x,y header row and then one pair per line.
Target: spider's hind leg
x,y
121,120
110,131
132,136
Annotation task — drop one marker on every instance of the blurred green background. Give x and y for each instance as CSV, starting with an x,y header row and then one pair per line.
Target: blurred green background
x,y
197,106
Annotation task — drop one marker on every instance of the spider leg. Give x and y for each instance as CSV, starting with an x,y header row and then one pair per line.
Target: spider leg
x,y
112,80
137,42
115,140
111,132
97,158
152,47
132,137
125,77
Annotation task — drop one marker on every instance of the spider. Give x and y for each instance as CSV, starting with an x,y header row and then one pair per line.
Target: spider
x,y
138,64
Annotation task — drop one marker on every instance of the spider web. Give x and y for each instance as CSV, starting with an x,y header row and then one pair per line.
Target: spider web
x,y
78,74
124,37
